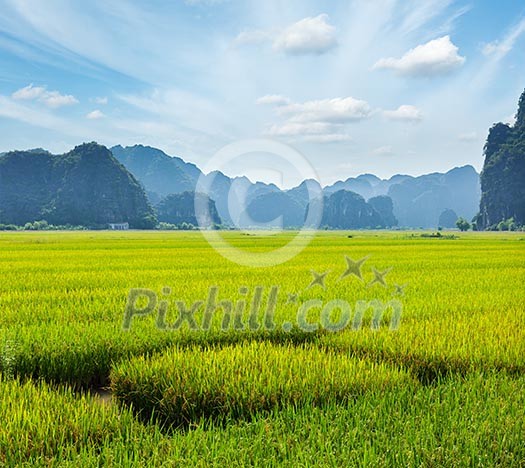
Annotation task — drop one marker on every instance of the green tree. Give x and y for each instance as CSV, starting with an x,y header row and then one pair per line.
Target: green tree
x,y
507,225
462,224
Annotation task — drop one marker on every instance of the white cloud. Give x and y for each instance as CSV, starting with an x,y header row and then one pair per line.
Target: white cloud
x,y
319,121
28,93
101,100
274,100
313,35
437,57
468,137
315,132
54,99
383,150
328,110
51,99
95,115
405,113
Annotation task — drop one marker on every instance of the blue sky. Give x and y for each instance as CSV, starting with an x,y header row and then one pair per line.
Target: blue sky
x,y
380,86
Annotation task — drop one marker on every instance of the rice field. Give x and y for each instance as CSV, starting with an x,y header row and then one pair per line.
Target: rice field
x,y
263,366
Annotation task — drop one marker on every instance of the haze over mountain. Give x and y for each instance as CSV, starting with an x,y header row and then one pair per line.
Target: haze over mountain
x,y
163,175
89,186
158,172
417,201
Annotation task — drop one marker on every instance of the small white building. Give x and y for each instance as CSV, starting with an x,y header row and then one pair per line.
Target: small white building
x,y
119,226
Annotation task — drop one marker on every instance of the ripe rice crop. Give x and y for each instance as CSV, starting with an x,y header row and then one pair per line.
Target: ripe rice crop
x,y
63,296
184,385
40,423
473,421
444,389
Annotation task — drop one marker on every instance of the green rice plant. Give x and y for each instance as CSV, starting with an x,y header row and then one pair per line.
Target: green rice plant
x,y
184,385
82,354
62,300
7,359
477,421
63,295
41,424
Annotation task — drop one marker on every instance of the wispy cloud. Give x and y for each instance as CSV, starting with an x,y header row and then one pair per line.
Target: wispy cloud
x,y
495,53
254,36
39,116
273,100
184,110
420,13
339,110
314,132
450,22
500,48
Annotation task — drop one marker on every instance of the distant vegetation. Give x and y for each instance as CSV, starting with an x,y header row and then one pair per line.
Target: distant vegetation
x,y
41,225
462,224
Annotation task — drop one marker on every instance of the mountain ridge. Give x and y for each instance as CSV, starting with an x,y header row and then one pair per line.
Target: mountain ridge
x,y
418,200
85,186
